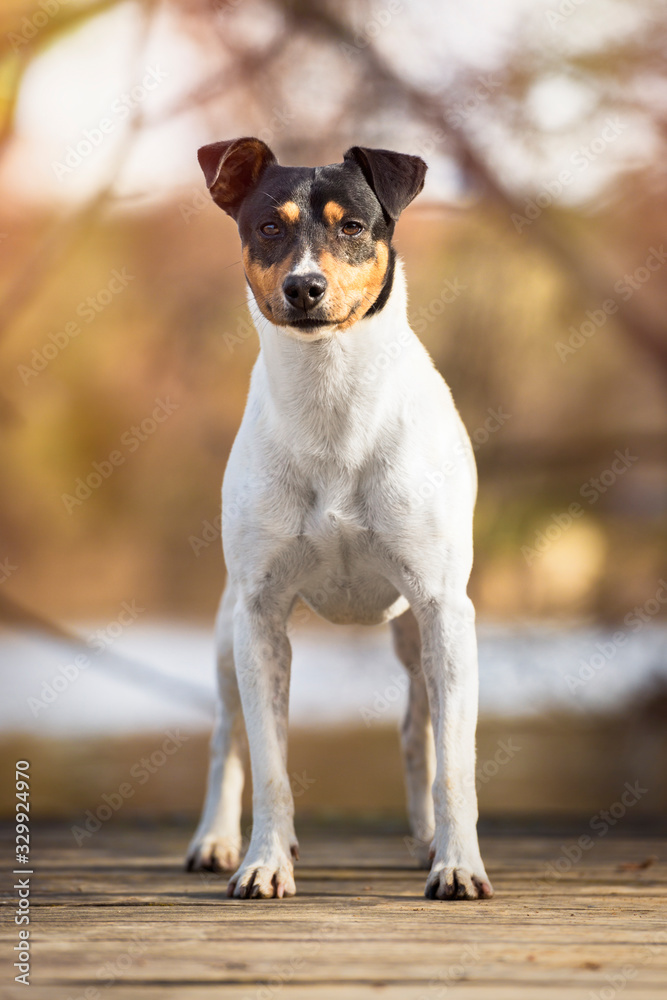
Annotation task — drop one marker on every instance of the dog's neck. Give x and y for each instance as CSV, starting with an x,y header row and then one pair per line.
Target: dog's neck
x,y
330,395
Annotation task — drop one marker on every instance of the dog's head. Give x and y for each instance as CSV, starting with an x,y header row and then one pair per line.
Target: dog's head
x,y
316,240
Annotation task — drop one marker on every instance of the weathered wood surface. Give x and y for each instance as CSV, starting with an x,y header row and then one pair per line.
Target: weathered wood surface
x,y
118,917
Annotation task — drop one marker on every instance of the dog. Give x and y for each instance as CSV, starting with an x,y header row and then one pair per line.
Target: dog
x,y
350,485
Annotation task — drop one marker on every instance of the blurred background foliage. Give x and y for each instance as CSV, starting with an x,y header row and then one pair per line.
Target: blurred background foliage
x,y
505,262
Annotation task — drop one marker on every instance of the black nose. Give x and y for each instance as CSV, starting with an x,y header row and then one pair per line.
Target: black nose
x,y
303,291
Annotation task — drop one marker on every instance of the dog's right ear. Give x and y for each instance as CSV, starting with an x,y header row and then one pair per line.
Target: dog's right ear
x,y
233,168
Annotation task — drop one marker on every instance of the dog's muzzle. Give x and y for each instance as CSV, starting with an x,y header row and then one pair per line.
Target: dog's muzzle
x,y
303,292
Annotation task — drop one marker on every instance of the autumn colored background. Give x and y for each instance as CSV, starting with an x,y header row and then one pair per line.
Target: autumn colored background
x,y
536,260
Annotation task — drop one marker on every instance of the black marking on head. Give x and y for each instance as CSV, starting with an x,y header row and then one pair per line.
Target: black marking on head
x,y
396,178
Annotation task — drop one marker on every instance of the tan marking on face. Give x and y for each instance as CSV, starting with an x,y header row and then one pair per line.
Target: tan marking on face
x,y
267,283
332,213
352,288
289,211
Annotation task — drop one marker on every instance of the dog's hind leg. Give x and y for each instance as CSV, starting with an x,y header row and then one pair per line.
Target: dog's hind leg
x,y
216,845
416,739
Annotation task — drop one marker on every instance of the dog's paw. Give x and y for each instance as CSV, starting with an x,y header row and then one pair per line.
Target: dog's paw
x,y
263,878
213,853
457,882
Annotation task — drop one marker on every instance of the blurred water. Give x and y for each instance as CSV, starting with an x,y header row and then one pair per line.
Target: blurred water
x,y
156,675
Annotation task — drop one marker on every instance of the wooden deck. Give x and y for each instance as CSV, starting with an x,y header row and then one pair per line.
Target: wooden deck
x,y
118,917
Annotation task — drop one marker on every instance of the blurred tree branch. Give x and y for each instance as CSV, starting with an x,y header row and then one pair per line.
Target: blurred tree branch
x,y
14,63
252,69
641,327
75,224
387,89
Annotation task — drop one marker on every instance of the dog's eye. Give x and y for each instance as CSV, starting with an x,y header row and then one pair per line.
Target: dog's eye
x,y
270,229
352,228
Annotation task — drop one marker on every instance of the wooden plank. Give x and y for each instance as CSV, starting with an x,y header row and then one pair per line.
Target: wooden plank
x,y
120,918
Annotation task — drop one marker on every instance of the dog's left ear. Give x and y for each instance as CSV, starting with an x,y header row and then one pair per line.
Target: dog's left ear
x,y
396,178
233,168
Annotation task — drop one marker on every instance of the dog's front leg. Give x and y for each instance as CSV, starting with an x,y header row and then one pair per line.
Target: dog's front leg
x,y
262,654
449,661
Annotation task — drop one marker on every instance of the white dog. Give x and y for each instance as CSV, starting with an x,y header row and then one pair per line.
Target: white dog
x,y
350,485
